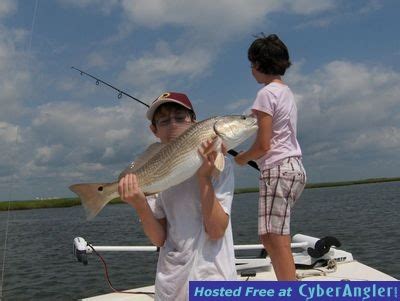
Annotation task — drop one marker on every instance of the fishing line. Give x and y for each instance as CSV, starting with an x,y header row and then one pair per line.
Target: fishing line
x,y
8,219
232,152
4,249
108,277
15,154
33,25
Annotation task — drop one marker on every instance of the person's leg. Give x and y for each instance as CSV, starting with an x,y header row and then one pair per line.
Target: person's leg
x,y
278,248
280,187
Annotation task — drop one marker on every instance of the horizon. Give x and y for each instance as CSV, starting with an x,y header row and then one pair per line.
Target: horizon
x,y
329,185
58,127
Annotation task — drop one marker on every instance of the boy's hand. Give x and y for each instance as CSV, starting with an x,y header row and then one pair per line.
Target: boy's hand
x,y
240,159
224,150
208,155
129,190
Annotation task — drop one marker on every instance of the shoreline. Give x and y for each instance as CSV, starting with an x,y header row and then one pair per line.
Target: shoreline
x,y
330,184
69,202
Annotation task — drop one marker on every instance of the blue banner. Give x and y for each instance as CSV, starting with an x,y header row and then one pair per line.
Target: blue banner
x,y
294,290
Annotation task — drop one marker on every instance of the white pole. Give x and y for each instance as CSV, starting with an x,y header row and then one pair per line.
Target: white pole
x,y
153,248
122,249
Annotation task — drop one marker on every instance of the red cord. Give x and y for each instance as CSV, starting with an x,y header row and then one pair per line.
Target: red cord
x,y
108,278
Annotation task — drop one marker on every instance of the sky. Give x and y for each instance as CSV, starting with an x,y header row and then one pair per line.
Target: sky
x,y
58,128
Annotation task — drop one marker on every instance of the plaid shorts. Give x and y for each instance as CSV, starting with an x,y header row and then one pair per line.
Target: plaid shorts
x,y
280,187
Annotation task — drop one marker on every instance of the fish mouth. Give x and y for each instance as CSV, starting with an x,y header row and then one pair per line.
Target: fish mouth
x,y
247,125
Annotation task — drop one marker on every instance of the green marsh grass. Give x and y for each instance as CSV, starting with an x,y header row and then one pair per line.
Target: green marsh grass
x,y
68,202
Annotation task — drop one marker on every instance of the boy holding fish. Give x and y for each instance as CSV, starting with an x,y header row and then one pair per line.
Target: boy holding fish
x,y
190,222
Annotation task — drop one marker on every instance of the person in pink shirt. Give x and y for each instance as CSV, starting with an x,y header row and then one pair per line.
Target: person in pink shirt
x,y
276,151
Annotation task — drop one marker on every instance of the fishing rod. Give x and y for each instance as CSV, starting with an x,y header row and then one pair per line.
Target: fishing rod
x,y
120,92
232,152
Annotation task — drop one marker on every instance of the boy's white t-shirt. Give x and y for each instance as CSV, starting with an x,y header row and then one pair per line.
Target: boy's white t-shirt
x,y
277,100
188,253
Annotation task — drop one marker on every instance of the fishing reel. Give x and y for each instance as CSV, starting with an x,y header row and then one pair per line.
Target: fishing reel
x,y
80,249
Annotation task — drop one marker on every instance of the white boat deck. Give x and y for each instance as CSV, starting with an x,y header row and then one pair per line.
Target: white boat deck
x,y
334,265
353,271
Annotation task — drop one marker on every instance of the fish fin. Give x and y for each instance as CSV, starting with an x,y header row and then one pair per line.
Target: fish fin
x,y
219,162
94,196
142,158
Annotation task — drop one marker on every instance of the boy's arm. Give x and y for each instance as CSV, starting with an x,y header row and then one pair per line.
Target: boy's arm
x,y
215,219
155,229
263,140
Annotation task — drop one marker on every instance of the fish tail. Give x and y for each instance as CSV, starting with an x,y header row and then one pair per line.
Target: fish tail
x,y
94,196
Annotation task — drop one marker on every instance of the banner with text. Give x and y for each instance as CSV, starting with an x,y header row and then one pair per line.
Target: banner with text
x,y
294,290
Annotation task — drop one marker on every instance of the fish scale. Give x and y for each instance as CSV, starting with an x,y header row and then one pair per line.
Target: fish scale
x,y
184,149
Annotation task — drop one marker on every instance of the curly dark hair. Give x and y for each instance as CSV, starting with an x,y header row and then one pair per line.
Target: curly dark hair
x,y
269,55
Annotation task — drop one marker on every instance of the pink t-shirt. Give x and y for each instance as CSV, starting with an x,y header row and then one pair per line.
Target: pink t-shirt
x,y
277,100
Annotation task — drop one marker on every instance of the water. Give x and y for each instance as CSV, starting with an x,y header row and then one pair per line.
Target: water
x,y
40,266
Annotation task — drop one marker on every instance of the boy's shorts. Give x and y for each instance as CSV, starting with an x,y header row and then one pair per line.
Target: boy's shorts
x,y
280,187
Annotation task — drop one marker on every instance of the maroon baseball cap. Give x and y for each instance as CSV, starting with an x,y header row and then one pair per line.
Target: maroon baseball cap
x,y
175,97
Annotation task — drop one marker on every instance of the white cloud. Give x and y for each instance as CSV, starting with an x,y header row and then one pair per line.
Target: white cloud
x,y
91,167
380,140
16,80
7,7
95,59
10,135
307,7
88,129
203,28
15,76
237,15
8,132
46,155
206,15
164,66
371,6
239,105
347,111
72,142
15,87
317,22
105,6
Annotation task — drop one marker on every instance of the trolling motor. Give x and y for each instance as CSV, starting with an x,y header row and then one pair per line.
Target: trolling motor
x,y
322,246
80,250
